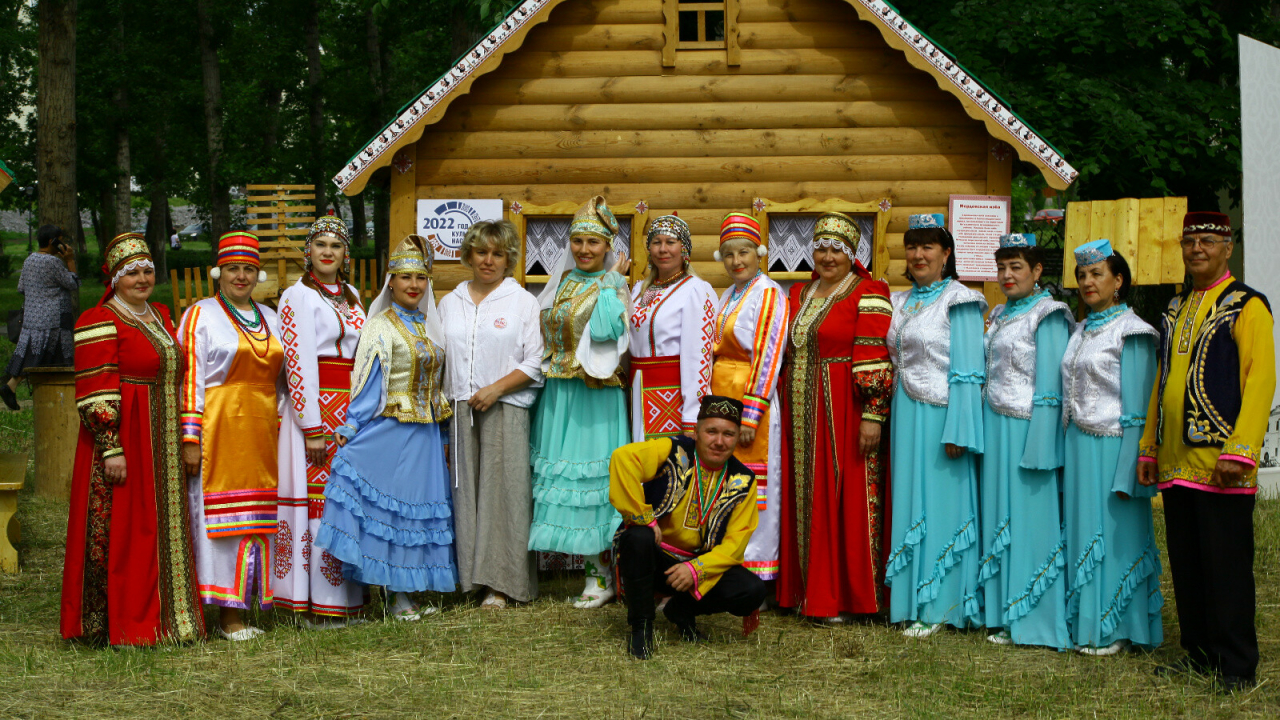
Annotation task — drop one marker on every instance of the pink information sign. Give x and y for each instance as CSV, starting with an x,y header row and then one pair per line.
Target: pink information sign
x,y
977,222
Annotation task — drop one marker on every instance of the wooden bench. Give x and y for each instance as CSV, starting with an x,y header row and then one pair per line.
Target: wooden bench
x,y
13,472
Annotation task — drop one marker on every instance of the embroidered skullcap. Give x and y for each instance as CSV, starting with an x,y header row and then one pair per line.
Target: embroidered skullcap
x,y
739,225
926,220
672,226
1094,252
1206,222
719,406
594,219
1018,240
238,246
124,253
413,255
329,225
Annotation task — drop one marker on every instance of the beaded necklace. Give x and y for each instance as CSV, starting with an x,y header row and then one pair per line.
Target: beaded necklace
x,y
656,288
703,499
246,328
731,306
803,320
338,301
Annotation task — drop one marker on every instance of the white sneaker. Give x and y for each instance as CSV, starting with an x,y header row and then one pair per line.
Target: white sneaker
x,y
1000,638
1111,649
248,632
919,630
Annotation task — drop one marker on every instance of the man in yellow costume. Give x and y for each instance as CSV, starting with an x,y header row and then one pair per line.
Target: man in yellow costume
x,y
688,508
1204,430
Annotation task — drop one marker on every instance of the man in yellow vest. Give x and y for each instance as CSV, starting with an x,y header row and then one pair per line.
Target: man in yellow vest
x,y
1204,430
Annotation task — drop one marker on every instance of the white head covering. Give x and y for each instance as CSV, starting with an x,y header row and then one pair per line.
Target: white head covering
x,y
413,254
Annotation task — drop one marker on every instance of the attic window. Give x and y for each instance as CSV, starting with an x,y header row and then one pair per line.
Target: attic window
x,y
701,25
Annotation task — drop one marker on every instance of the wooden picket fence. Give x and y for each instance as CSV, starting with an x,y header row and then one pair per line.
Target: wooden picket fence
x,y
194,285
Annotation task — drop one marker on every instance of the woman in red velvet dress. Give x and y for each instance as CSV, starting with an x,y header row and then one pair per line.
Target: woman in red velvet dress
x,y
129,576
836,390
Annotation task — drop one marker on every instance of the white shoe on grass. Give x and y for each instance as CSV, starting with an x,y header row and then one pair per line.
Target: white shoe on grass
x,y
1000,638
919,630
1112,649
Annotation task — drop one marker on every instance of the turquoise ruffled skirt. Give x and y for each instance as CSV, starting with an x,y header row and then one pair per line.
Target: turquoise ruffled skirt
x,y
1113,562
388,513
575,431
932,570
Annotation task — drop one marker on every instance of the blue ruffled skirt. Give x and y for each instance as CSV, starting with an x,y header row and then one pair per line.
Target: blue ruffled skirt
x,y
932,570
1024,558
1113,563
388,508
575,431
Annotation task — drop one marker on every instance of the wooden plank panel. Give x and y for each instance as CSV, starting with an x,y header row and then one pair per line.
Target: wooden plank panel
x,y
615,12
650,170
1124,232
279,187
1173,271
706,115
1150,234
966,140
1079,223
555,37
608,13
732,33
492,90
404,211
799,11
717,195
606,63
1102,221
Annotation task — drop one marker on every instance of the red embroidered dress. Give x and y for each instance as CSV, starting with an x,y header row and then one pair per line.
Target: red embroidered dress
x,y
837,374
129,572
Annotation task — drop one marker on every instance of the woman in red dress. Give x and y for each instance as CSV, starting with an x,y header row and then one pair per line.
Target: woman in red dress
x,y
129,577
836,390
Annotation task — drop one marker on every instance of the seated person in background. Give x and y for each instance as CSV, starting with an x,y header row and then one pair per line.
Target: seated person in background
x,y
689,509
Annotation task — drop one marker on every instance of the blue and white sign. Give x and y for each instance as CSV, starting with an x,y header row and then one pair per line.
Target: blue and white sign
x,y
444,223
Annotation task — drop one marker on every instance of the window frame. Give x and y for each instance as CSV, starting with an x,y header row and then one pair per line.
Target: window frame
x,y
809,206
673,44
637,212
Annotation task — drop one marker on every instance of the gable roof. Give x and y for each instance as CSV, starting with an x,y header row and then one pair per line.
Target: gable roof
x,y
507,36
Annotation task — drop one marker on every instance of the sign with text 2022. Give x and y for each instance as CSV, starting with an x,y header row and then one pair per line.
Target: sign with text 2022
x,y
444,223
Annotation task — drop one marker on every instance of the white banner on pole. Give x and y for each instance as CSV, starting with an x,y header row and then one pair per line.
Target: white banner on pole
x,y
1260,120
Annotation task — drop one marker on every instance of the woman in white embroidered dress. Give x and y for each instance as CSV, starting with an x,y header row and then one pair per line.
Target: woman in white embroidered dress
x,y
493,342
670,329
320,321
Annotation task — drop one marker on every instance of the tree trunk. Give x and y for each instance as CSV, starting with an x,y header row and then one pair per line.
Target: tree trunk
x,y
373,52
211,77
315,78
98,229
465,33
107,206
358,220
271,121
56,112
381,225
157,228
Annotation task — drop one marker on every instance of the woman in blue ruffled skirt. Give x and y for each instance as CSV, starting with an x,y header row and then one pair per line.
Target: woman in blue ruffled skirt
x,y
388,509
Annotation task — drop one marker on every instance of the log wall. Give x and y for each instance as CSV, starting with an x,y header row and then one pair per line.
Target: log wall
x,y
819,107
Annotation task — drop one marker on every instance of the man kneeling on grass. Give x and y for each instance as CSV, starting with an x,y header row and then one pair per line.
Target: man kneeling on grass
x,y
689,508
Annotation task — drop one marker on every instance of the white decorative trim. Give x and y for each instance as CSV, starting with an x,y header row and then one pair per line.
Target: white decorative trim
x,y
438,91
885,14
143,262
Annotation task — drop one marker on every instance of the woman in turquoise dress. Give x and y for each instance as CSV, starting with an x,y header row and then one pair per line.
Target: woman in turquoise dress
x,y
388,512
935,343
1021,571
1113,564
582,415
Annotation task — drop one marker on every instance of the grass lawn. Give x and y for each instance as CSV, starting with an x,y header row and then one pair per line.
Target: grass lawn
x,y
548,660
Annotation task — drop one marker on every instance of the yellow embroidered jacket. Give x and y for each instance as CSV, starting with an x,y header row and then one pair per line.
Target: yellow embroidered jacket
x,y
656,483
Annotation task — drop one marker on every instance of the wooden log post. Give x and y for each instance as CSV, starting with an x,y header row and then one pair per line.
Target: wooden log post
x,y
13,473
56,428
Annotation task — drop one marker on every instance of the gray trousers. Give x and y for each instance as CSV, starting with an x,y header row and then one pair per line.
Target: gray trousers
x,y
493,500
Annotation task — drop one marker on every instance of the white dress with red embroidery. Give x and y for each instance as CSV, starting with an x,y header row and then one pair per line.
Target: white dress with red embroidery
x,y
319,333
671,344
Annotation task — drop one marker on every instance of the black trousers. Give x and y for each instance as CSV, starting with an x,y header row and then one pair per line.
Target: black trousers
x,y
1210,541
643,565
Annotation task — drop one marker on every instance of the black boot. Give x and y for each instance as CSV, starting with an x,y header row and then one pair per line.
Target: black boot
x,y
9,397
684,622
641,645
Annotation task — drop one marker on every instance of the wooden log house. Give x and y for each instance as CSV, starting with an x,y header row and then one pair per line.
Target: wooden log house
x,y
784,108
